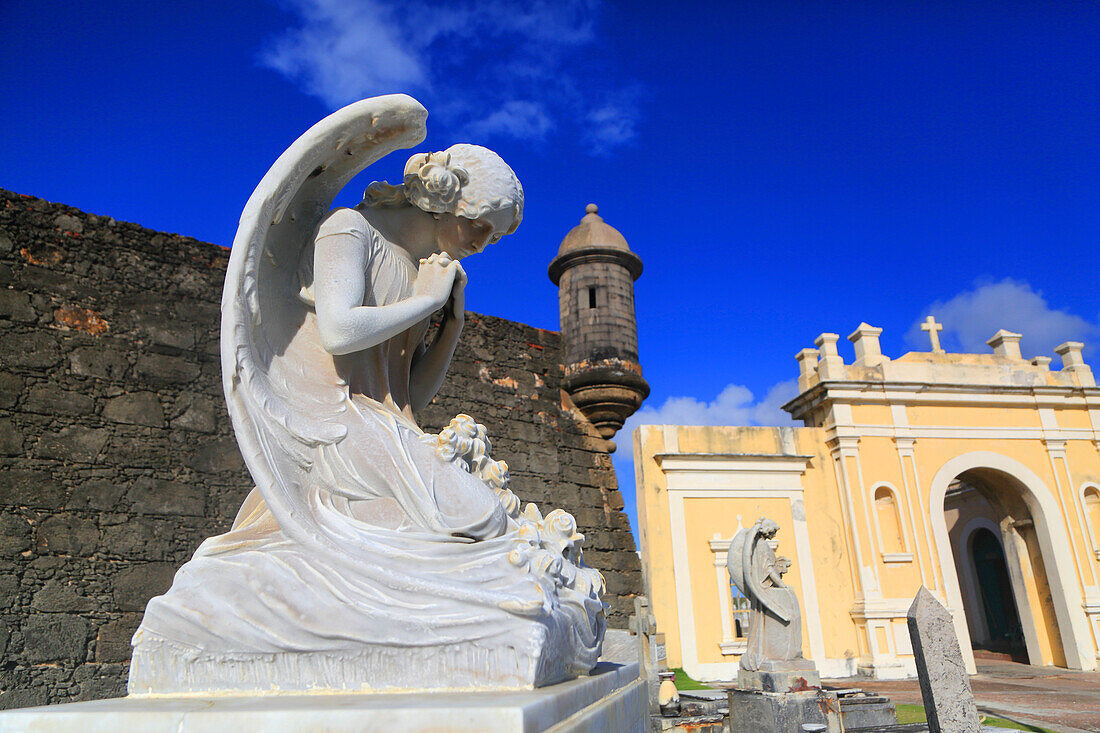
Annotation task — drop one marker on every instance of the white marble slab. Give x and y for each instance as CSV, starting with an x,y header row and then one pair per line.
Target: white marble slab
x,y
612,699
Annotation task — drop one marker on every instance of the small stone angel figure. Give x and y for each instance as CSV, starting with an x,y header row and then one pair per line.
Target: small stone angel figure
x,y
775,627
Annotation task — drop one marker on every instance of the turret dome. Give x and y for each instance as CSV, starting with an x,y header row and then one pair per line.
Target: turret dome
x,y
593,231
594,235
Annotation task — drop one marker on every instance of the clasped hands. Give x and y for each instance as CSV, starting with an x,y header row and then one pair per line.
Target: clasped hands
x,y
441,278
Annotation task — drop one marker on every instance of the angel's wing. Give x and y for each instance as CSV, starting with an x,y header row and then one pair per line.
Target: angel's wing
x,y
756,555
279,405
734,563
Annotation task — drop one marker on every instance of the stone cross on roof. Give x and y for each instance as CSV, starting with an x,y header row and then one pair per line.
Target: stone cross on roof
x,y
933,330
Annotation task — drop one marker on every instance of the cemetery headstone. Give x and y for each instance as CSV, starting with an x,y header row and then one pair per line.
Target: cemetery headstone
x,y
944,684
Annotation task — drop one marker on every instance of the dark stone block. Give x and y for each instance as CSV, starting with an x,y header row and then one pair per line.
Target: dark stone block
x,y
197,413
16,306
140,538
134,586
137,408
11,387
23,697
68,223
15,535
90,361
54,637
134,447
67,535
113,640
149,496
38,350
160,369
168,333
9,588
107,683
77,444
11,439
96,496
217,457
58,595
54,401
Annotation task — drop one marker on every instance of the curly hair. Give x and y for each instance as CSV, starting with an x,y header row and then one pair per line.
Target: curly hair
x,y
466,180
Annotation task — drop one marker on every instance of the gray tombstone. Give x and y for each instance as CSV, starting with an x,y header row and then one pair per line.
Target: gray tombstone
x,y
944,684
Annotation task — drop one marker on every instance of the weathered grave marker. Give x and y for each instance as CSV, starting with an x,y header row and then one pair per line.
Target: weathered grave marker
x,y
944,684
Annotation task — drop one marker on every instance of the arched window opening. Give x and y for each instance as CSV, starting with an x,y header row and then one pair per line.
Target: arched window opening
x,y
889,521
1092,511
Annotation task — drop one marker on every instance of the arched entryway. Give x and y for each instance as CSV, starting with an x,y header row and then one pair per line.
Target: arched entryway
x,y
998,606
992,517
988,596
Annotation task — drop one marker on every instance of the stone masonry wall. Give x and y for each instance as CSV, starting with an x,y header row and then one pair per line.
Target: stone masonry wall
x,y
117,458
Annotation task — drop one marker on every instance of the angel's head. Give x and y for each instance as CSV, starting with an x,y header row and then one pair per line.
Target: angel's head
x,y
768,527
471,192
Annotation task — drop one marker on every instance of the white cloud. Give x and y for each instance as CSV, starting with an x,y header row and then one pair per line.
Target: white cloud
x,y
972,317
613,121
485,67
734,405
518,119
336,55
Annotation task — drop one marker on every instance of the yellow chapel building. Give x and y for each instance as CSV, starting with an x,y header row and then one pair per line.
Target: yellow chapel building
x,y
975,475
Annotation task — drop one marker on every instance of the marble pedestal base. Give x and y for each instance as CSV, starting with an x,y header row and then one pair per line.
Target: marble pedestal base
x,y
160,668
783,712
611,699
791,676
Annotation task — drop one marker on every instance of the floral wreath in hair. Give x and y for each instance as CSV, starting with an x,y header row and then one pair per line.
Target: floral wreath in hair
x,y
436,183
432,183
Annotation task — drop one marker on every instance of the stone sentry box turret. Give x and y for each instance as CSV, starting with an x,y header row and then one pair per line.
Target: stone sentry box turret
x,y
595,273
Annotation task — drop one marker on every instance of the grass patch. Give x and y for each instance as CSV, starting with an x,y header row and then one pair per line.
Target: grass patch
x,y
915,714
683,682
911,714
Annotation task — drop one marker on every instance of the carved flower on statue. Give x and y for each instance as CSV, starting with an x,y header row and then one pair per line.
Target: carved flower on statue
x,y
535,559
466,442
510,502
463,439
588,582
532,514
494,473
549,548
432,183
560,532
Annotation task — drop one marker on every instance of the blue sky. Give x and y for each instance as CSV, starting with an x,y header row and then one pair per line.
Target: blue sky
x,y
782,167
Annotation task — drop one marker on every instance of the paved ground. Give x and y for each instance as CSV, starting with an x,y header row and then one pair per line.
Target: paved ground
x,y
1047,696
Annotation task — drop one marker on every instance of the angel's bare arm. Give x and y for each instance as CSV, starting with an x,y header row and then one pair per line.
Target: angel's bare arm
x,y
345,324
430,365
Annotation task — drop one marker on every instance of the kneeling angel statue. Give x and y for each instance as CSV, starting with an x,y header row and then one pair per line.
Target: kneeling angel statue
x,y
371,555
